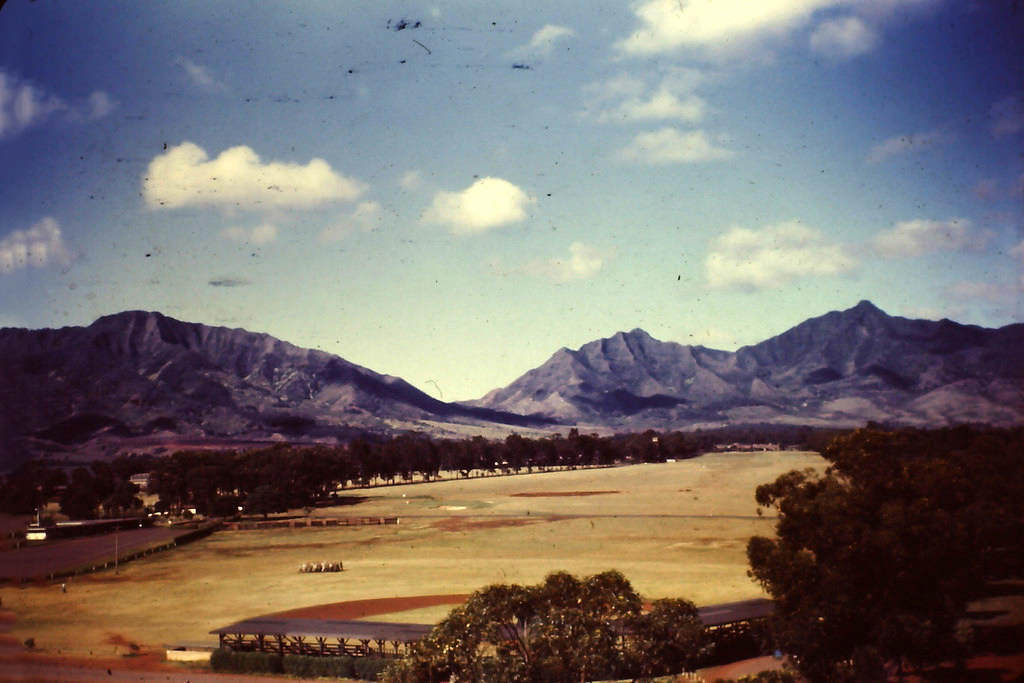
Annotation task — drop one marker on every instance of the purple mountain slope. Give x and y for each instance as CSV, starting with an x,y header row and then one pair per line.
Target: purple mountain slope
x,y
138,373
844,367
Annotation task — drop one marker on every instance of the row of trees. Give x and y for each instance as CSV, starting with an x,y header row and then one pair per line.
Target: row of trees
x,y
874,561
82,491
284,477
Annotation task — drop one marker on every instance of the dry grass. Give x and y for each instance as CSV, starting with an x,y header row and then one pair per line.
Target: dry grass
x,y
675,529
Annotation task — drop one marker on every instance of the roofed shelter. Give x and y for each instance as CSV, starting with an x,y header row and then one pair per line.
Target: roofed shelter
x,y
322,636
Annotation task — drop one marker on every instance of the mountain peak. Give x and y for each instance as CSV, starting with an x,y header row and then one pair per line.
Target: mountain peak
x,y
865,306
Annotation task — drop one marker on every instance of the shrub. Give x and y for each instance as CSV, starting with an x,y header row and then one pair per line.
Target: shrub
x,y
246,662
305,666
369,668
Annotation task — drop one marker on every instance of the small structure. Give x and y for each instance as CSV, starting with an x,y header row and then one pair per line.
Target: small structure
x,y
321,637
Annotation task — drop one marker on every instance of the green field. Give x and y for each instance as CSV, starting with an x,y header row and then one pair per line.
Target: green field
x,y
675,530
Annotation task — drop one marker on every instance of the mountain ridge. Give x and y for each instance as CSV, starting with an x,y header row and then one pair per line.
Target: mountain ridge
x,y
137,374
849,366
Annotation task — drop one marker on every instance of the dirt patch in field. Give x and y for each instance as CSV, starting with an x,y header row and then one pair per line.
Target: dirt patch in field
x,y
561,494
359,609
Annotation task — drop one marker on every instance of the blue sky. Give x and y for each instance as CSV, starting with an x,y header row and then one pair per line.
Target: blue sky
x,y
449,192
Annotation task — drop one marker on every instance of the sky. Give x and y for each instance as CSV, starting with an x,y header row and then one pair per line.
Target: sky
x,y
450,192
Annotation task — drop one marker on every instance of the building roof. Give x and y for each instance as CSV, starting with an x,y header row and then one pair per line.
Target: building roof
x,y
329,628
732,612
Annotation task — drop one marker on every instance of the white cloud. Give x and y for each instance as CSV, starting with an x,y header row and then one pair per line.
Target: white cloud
x,y
583,262
100,105
1008,115
843,38
186,176
661,105
487,203
773,256
543,41
39,246
199,74
673,98
364,218
671,146
922,236
667,25
24,105
901,144
264,233
411,180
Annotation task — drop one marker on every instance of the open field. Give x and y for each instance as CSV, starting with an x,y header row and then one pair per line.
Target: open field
x,y
675,529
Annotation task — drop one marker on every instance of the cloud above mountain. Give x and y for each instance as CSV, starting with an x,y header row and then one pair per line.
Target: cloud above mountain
x,y
185,176
38,246
487,203
773,256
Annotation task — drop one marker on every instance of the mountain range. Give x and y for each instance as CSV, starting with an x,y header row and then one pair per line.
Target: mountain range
x,y
140,378
844,367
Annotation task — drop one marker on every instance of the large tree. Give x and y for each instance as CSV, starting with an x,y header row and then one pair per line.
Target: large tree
x,y
874,561
563,629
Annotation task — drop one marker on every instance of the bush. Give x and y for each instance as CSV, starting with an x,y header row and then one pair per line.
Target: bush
x,y
369,668
246,662
305,666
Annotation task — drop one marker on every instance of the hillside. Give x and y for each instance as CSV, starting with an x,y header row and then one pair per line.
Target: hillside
x,y
844,367
137,374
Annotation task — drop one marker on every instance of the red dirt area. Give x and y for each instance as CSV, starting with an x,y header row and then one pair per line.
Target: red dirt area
x,y
358,609
561,494
460,524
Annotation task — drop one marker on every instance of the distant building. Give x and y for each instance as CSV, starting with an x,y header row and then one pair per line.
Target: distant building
x,y
141,480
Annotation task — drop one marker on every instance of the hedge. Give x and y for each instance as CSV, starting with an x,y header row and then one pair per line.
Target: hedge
x,y
302,666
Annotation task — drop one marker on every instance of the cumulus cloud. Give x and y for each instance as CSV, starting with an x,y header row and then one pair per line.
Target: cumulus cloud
x,y
185,176
666,25
543,41
198,74
264,233
1008,115
39,246
671,146
583,262
773,256
364,218
922,236
487,203
903,144
843,38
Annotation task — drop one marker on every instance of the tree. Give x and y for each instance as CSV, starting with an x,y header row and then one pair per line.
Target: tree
x,y
563,629
875,560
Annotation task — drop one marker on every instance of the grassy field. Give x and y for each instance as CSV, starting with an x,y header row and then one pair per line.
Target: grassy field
x,y
675,530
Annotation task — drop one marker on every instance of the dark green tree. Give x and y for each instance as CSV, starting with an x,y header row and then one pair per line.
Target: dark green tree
x,y
875,561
